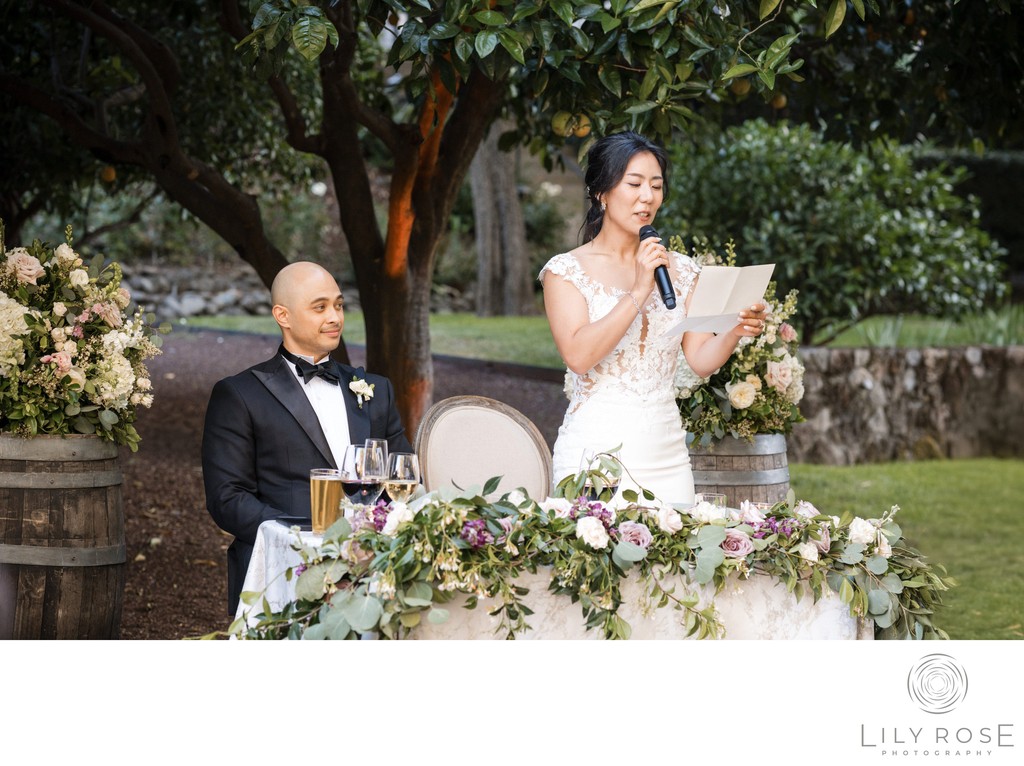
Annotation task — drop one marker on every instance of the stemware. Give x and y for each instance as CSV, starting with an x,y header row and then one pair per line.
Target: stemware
x,y
362,474
403,476
382,445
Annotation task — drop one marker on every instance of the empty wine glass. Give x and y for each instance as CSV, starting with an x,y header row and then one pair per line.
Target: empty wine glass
x,y
403,476
372,469
382,445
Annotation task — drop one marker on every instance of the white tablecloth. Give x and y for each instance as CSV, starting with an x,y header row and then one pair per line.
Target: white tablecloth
x,y
756,608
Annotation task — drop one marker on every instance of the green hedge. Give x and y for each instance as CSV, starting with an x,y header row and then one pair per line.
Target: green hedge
x,y
859,232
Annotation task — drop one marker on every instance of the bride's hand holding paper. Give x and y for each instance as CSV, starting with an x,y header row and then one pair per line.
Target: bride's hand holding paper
x,y
726,297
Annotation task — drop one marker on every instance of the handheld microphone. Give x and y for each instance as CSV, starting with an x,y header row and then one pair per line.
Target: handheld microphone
x,y
668,294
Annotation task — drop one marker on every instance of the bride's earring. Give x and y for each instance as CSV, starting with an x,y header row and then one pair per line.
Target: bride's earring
x,y
603,206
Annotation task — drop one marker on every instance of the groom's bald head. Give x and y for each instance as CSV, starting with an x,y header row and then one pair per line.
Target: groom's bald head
x,y
308,307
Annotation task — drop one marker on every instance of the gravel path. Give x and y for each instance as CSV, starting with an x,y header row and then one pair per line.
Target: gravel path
x,y
176,581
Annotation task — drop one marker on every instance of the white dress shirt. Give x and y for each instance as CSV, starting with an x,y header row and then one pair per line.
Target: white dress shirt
x,y
328,402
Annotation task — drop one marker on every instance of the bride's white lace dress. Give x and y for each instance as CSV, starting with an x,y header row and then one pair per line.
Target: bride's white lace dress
x,y
628,398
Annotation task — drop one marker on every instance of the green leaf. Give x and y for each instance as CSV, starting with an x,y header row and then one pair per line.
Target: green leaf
x,y
309,35
491,485
853,553
310,585
485,43
767,6
490,18
437,616
834,17
846,591
892,583
739,70
708,560
877,565
512,45
628,551
363,612
878,601
409,619
858,6
710,536
419,594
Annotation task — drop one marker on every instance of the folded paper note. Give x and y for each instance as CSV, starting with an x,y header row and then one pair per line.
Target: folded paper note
x,y
721,293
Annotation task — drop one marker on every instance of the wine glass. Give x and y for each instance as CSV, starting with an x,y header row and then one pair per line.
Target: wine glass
x,y
372,470
382,445
362,474
403,476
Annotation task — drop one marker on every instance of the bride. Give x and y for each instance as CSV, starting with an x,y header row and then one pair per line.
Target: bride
x,y
607,320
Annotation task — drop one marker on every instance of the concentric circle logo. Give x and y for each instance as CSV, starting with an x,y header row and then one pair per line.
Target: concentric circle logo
x,y
937,683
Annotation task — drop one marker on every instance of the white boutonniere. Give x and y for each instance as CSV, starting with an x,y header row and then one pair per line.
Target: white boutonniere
x,y
362,390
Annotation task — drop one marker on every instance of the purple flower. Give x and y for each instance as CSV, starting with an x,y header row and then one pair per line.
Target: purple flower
x,y
475,533
636,533
300,569
380,515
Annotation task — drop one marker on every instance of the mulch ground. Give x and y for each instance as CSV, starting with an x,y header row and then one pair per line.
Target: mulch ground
x,y
176,585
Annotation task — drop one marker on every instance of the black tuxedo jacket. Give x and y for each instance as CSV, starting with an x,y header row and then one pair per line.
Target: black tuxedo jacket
x,y
262,437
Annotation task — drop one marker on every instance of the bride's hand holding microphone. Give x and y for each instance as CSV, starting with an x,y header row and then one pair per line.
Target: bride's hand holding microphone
x,y
650,255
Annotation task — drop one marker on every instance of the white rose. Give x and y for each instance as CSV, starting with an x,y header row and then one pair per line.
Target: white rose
x,y
668,519
805,510
65,254
399,514
59,309
706,512
741,395
557,505
808,551
59,334
884,549
79,278
862,531
592,532
143,384
749,513
516,497
77,377
795,392
754,381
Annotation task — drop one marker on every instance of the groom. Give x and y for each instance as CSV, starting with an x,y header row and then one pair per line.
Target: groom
x,y
269,425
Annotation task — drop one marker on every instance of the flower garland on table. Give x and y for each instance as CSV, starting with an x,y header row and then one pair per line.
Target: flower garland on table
x,y
758,389
392,565
71,356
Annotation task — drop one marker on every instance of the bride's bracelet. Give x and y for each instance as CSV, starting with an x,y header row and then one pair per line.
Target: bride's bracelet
x,y
635,304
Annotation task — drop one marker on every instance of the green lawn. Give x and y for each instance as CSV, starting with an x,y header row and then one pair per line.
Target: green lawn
x,y
527,340
963,514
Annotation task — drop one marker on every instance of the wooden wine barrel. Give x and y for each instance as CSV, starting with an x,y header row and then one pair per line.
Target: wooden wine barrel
x,y
62,547
741,470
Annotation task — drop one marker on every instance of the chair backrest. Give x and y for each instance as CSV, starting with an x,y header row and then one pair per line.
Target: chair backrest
x,y
466,440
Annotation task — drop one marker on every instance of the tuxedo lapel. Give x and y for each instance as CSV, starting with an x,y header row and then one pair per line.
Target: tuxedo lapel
x,y
358,417
283,384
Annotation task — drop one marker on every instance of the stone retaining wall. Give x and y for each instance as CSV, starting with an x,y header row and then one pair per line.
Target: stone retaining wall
x,y
868,405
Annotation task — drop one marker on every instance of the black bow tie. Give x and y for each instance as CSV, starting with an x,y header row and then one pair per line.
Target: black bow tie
x,y
309,371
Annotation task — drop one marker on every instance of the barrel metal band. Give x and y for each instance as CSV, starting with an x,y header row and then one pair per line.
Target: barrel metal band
x,y
60,480
38,555
741,478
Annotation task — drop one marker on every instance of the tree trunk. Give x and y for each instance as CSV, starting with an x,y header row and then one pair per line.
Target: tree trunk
x,y
503,263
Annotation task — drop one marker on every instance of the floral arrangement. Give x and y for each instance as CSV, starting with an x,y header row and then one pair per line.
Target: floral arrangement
x,y
389,566
757,391
71,357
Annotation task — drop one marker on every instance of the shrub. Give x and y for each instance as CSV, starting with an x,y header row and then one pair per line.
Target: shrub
x,y
858,232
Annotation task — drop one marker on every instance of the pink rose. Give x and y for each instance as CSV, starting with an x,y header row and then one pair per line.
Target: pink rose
x,y
25,267
60,358
787,333
737,544
636,533
779,375
826,539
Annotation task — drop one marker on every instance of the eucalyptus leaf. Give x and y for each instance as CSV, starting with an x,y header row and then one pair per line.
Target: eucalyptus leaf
x,y
310,585
853,553
878,601
437,616
363,612
419,593
710,536
877,565
708,560
630,552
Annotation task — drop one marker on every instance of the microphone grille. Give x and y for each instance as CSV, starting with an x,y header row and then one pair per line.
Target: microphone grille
x,y
648,231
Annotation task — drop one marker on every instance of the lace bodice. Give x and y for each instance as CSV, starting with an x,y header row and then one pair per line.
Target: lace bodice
x,y
643,363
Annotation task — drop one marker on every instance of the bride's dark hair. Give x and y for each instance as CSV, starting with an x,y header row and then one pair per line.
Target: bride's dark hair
x,y
606,165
